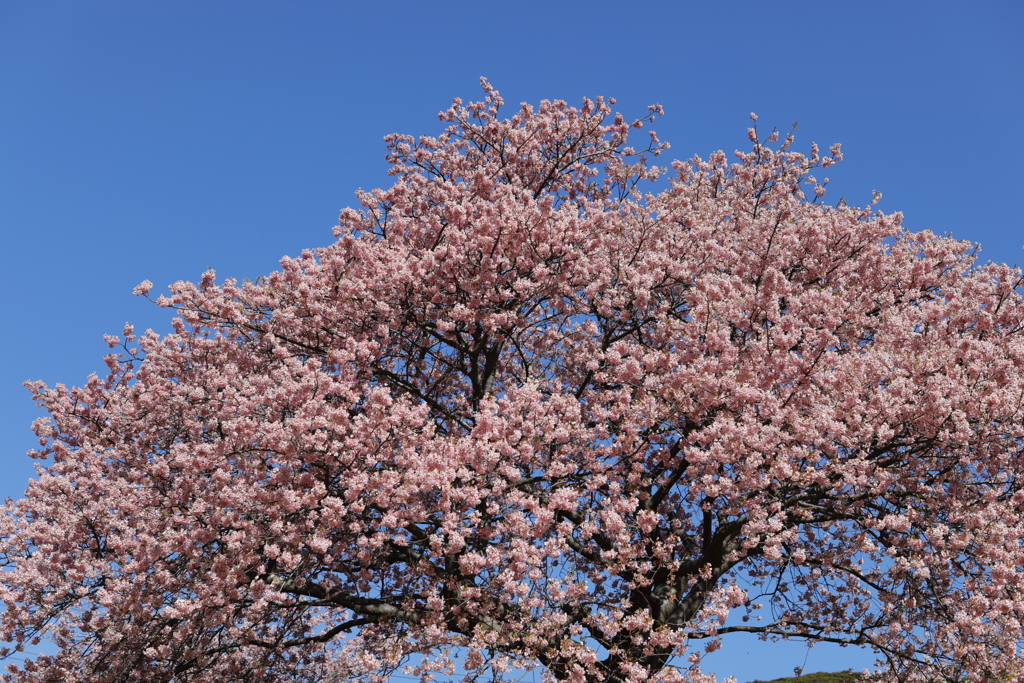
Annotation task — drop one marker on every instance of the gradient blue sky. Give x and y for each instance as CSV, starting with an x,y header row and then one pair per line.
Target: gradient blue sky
x,y
146,140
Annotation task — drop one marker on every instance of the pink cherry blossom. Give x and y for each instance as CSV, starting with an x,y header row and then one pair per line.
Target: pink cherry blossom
x,y
532,408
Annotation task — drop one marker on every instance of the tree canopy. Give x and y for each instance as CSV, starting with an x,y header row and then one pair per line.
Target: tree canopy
x,y
544,402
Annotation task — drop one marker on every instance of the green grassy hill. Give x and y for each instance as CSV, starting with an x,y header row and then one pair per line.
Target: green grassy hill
x,y
836,677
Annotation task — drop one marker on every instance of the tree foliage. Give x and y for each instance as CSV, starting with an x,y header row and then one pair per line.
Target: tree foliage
x,y
531,408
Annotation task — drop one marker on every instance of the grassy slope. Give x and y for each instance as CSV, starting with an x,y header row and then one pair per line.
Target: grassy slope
x,y
837,677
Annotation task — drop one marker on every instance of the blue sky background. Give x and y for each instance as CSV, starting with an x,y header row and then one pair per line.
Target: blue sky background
x,y
146,140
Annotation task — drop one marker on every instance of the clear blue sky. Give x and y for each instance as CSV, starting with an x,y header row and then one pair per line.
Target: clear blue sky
x,y
149,140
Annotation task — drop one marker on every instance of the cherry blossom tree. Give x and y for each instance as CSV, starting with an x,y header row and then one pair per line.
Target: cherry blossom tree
x,y
532,408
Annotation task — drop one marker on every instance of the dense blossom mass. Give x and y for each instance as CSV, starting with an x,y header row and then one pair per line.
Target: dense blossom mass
x,y
533,409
